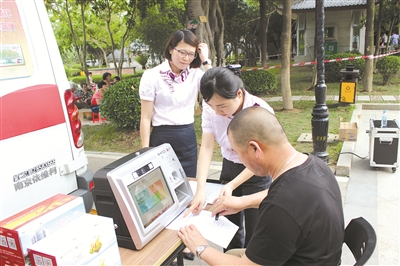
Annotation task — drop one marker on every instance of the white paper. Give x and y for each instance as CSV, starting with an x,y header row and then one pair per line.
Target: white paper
x,y
219,232
212,190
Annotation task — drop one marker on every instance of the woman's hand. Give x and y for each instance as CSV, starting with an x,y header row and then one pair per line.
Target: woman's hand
x,y
197,203
202,50
226,190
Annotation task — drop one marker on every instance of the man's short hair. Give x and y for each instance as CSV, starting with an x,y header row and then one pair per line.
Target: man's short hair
x,y
258,124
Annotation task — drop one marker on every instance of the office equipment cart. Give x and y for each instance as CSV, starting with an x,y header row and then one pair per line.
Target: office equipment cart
x,y
384,144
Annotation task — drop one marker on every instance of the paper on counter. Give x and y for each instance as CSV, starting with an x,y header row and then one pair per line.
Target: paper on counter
x,y
212,190
219,232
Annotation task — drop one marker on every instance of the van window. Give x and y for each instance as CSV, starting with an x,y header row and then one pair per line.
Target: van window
x,y
15,59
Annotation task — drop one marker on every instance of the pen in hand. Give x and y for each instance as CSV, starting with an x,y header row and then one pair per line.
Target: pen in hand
x,y
217,217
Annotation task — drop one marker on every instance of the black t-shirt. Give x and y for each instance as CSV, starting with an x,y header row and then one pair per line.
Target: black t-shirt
x,y
301,220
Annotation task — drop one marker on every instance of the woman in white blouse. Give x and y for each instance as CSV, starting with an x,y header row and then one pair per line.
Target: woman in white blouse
x,y
168,94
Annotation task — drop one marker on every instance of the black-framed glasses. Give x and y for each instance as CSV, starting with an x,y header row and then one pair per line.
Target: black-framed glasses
x,y
183,53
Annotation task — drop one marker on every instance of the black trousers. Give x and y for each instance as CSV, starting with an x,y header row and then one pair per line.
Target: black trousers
x,y
183,140
246,219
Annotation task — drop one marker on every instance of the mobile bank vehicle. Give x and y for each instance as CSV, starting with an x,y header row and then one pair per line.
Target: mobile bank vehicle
x,y
41,142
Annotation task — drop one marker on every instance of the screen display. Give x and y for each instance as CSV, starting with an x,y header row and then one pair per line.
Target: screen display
x,y
151,196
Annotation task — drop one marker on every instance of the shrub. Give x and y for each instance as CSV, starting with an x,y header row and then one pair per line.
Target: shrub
x,y
388,67
332,70
72,72
259,82
121,103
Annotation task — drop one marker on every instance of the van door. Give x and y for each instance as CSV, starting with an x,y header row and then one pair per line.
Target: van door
x,y
38,156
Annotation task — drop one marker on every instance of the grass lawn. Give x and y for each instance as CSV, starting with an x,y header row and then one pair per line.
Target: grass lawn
x,y
296,121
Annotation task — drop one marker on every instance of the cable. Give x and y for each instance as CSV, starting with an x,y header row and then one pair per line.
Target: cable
x,y
354,154
337,156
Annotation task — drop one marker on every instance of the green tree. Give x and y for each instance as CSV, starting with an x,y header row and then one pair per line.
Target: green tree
x,y
124,13
69,22
156,26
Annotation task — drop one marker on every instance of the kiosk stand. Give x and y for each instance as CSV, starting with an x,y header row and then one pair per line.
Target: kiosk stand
x,y
106,204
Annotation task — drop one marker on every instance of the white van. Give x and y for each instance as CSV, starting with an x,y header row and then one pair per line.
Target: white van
x,y
41,142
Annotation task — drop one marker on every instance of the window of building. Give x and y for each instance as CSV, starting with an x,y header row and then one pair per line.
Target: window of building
x,y
330,32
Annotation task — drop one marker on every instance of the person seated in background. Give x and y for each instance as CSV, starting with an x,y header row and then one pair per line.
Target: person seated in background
x,y
300,217
92,85
116,80
107,78
86,97
97,98
74,91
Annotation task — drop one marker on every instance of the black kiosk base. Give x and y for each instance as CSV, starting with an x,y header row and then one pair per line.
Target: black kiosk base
x,y
106,204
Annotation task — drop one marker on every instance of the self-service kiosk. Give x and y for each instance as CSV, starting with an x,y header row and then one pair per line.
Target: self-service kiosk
x,y
143,192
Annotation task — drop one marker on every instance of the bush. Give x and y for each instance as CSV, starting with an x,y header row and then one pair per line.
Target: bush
x,y
259,82
332,70
388,67
121,103
72,72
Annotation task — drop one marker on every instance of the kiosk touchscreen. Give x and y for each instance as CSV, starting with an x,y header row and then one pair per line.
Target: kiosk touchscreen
x,y
150,189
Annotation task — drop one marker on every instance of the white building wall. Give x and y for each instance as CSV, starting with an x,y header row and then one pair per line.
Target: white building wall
x,y
342,21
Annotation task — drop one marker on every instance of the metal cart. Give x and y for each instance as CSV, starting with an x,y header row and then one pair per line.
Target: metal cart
x,y
384,144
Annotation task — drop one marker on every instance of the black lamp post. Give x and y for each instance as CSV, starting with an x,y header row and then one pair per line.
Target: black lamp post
x,y
320,114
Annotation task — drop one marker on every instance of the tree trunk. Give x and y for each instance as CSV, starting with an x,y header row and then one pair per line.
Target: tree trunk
x,y
378,32
286,45
369,46
84,46
217,28
210,32
263,21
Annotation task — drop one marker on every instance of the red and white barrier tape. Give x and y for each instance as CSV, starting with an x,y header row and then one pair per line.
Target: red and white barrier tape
x,y
325,61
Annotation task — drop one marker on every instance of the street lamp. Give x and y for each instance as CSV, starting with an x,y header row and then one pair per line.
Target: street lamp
x,y
320,114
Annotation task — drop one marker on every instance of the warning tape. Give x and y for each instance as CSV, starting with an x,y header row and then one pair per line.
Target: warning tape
x,y
325,61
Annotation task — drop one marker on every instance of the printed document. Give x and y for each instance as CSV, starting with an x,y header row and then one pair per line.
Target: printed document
x,y
219,232
212,190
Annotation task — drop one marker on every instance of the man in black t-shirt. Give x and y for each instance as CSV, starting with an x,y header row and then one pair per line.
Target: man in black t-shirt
x,y
300,219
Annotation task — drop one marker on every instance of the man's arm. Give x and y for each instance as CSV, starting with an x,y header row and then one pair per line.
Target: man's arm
x,y
230,205
193,239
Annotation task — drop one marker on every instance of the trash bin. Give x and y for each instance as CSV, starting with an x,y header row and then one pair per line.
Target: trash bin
x,y
348,84
384,144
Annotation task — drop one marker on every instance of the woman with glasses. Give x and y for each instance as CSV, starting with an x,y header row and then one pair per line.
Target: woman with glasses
x,y
224,96
168,94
